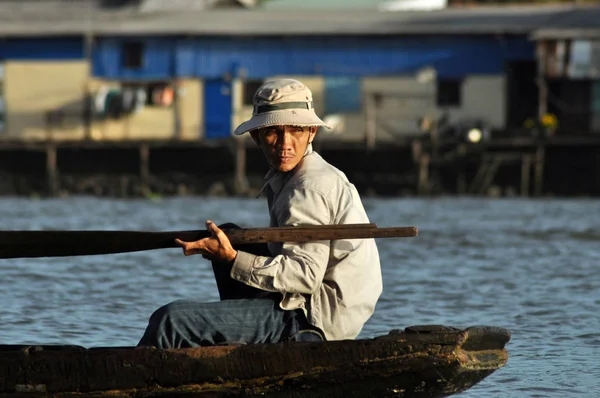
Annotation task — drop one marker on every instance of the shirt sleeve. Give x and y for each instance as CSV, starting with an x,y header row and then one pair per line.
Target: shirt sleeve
x,y
301,266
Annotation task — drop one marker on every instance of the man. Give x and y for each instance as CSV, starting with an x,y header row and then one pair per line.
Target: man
x,y
328,288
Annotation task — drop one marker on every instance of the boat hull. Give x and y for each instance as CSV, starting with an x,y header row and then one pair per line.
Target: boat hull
x,y
420,361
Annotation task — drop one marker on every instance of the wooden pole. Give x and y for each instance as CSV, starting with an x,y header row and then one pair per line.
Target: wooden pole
x,y
489,176
525,173
417,149
52,170
482,171
15,244
423,184
461,180
145,169
540,155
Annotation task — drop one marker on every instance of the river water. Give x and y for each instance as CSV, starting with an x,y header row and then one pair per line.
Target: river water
x,y
532,266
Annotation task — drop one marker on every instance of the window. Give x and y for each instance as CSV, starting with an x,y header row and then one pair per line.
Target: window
x,y
159,94
449,92
119,3
133,55
250,87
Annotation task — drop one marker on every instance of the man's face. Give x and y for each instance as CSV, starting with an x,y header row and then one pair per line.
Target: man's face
x,y
284,146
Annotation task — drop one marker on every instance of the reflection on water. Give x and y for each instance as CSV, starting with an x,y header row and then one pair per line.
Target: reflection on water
x,y
532,266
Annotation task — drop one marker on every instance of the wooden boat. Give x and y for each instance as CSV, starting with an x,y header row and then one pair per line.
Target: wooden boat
x,y
419,361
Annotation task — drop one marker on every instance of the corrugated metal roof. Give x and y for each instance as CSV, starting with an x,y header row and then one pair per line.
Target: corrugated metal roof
x,y
74,20
567,33
577,23
24,10
320,4
190,5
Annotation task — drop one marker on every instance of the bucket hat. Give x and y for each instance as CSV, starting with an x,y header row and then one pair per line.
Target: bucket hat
x,y
281,102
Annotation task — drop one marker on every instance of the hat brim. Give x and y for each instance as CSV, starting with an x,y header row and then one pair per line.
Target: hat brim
x,y
296,117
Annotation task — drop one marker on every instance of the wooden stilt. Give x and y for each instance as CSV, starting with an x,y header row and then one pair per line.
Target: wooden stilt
x,y
123,186
417,149
540,156
145,169
525,174
461,180
52,170
423,184
485,174
491,173
479,176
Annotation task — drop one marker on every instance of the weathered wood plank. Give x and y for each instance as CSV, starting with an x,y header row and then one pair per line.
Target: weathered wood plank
x,y
74,243
417,362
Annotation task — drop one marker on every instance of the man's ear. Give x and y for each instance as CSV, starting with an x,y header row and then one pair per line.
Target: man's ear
x,y
312,132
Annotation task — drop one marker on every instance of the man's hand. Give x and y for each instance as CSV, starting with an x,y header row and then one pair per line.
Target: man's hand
x,y
215,248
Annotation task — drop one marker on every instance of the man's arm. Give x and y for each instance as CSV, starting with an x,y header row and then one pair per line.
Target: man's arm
x,y
300,267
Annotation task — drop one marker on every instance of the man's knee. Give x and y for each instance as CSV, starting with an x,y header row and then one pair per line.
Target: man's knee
x,y
176,325
161,313
160,327
173,312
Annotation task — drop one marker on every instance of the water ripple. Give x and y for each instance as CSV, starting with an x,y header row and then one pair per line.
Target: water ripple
x,y
528,265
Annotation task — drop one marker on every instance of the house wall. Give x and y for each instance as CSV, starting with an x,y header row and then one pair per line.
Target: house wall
x,y
158,58
483,97
32,89
35,84
191,109
154,122
260,57
404,101
38,49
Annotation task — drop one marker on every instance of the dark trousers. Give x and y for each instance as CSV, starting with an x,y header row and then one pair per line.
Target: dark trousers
x,y
244,315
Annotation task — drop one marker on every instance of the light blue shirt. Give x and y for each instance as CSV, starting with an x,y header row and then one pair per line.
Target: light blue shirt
x,y
337,283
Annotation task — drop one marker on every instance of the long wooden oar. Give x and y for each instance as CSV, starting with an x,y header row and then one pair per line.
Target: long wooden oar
x,y
15,244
